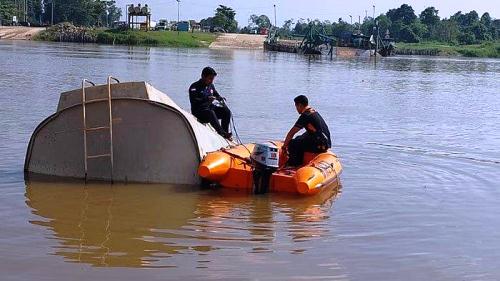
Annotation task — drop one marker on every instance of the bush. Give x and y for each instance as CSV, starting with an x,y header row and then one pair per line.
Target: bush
x,y
105,38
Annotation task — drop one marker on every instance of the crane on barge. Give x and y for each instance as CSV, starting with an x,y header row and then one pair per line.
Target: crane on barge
x,y
317,42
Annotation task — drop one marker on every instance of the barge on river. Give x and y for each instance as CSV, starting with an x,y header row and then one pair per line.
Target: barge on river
x,y
347,44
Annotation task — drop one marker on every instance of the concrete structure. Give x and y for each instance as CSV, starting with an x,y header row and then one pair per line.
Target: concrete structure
x,y
150,138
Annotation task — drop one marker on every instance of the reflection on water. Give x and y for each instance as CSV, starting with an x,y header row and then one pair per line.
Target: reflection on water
x,y
143,225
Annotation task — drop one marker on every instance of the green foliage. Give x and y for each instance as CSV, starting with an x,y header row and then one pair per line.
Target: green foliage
x,y
286,29
7,10
156,38
466,38
69,33
406,34
261,21
225,18
429,17
405,14
489,49
300,27
82,12
460,28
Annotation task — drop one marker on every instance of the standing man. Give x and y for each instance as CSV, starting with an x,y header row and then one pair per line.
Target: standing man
x,y
316,138
207,105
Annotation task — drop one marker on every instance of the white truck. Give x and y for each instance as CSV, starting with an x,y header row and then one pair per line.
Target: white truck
x,y
162,25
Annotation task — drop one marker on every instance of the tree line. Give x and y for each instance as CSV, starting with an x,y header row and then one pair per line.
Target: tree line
x,y
404,25
78,12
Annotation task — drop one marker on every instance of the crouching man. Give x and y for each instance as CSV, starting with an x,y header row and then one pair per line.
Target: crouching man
x,y
207,105
316,139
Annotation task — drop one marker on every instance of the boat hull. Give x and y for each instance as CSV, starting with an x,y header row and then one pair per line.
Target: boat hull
x,y
232,169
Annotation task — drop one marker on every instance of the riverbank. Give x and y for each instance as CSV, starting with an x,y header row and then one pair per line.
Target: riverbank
x,y
239,41
486,50
66,32
19,32
69,33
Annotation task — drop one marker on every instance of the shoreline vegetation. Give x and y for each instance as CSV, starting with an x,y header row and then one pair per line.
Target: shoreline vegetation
x,y
483,50
66,32
415,33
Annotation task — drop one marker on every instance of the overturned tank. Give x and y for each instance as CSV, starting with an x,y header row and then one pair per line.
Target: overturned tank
x,y
121,132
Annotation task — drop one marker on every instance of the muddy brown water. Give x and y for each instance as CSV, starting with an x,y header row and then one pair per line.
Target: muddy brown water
x,y
419,139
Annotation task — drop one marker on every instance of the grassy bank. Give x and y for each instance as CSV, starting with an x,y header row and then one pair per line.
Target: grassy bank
x,y
69,33
156,38
489,50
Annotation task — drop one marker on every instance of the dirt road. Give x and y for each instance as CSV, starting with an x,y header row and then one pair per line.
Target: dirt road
x,y
19,32
239,41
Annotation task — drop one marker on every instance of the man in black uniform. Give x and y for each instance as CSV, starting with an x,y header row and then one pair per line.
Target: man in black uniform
x,y
203,97
316,138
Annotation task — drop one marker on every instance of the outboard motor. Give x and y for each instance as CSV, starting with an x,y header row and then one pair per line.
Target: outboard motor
x,y
265,160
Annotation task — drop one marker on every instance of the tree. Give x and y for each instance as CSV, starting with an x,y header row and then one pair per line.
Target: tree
x,y
261,21
81,12
495,29
225,18
406,34
340,27
384,23
481,32
419,29
429,17
486,19
7,10
471,18
405,14
286,29
111,13
446,31
466,38
300,27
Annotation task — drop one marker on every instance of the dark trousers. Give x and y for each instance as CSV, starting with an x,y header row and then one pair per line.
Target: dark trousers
x,y
213,115
299,145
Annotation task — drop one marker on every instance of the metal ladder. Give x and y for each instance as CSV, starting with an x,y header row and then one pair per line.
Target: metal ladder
x,y
93,129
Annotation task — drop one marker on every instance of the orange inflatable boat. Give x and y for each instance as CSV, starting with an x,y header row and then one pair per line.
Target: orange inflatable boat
x,y
259,168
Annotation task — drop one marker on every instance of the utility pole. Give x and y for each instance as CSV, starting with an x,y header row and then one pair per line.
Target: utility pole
x,y
178,15
275,24
366,14
351,18
25,10
52,14
373,11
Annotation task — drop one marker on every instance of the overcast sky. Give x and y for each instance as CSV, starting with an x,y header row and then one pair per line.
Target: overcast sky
x,y
313,9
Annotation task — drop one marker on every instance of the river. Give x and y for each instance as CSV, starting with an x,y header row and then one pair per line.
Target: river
x,y
419,139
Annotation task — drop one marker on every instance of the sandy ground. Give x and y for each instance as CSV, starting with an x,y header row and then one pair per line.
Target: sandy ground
x,y
239,41
19,32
